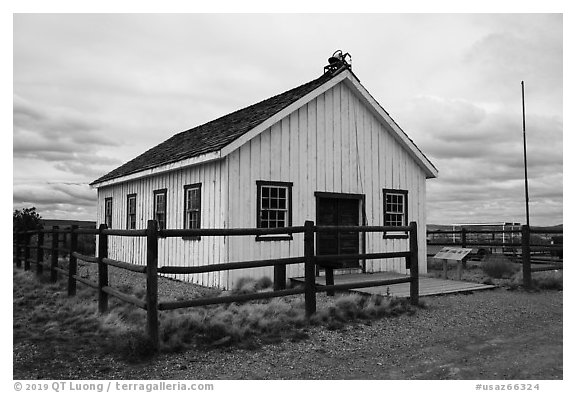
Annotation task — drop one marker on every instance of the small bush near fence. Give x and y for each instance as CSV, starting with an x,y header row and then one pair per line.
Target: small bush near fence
x,y
498,266
552,279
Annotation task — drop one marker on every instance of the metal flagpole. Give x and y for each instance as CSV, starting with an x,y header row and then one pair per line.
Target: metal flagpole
x,y
525,161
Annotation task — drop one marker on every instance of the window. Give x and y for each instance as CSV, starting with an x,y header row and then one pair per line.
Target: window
x,y
396,211
108,212
160,208
192,205
131,210
274,209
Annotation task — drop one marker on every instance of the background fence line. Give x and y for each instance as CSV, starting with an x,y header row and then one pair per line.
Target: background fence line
x,y
522,242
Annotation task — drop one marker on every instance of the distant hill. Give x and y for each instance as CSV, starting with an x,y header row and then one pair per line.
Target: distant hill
x,y
66,223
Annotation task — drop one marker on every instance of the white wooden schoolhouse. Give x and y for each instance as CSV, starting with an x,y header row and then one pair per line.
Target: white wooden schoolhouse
x,y
324,151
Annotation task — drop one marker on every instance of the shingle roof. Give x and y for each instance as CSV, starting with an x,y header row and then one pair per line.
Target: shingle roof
x,y
215,134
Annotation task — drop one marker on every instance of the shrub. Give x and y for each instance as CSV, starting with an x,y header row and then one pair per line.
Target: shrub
x,y
552,279
352,307
264,283
134,346
498,266
246,285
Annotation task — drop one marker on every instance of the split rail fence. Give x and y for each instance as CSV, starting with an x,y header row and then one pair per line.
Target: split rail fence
x,y
519,239
23,245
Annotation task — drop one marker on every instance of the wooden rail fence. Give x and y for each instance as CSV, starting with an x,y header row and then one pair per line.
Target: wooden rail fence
x,y
525,245
23,244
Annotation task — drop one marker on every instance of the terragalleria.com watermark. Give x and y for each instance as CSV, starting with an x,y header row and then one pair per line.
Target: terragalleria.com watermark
x,y
110,386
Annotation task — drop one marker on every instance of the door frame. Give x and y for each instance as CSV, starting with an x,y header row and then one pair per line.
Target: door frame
x,y
362,215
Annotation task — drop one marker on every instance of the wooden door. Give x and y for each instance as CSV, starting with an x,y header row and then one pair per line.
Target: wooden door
x,y
340,212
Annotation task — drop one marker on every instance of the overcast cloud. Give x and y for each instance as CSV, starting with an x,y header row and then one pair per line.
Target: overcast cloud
x,y
93,91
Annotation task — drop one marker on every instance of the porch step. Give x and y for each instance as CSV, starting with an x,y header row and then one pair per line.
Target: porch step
x,y
428,286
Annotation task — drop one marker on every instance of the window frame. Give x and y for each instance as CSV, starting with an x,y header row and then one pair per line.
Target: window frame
x,y
288,210
163,191
185,211
395,234
128,221
106,215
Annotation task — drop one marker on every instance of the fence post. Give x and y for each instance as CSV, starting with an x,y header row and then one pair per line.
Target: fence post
x,y
463,238
102,269
39,253
152,282
329,276
414,285
279,277
27,238
54,254
526,268
72,264
18,251
309,269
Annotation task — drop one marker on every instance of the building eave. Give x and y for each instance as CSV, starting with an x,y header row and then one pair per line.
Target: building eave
x,y
189,162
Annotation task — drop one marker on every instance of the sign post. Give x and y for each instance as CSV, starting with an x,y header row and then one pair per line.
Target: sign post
x,y
453,254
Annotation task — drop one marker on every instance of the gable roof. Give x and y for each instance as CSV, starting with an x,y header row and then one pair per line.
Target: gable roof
x,y
217,138
215,134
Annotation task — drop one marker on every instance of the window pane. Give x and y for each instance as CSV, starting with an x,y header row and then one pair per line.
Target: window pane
x,y
187,200
195,199
281,219
273,192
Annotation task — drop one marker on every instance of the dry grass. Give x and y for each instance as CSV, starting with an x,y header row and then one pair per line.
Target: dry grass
x,y
245,325
251,324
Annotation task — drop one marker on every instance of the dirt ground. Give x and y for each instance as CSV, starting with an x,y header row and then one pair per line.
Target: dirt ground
x,y
496,334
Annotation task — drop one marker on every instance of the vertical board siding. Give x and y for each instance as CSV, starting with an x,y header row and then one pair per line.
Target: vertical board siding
x,y
171,251
334,143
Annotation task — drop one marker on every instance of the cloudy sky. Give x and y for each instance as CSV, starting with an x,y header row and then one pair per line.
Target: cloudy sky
x,y
93,91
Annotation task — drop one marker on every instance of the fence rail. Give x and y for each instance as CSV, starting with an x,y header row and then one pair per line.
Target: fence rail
x,y
23,245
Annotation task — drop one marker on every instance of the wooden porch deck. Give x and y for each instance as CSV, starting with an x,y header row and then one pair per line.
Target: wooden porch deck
x,y
428,286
